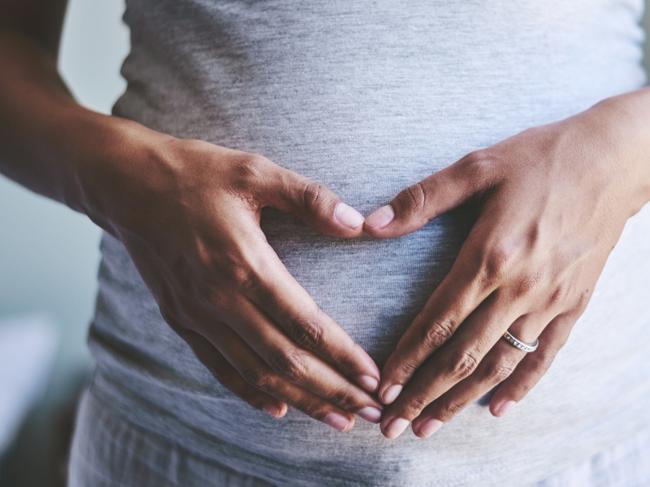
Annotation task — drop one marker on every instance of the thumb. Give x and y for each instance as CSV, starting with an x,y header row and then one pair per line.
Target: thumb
x,y
414,206
314,203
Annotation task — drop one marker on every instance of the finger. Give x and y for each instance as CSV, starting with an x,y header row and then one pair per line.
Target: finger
x,y
228,376
454,362
313,202
497,366
299,366
533,366
416,205
311,404
258,375
470,281
454,299
278,294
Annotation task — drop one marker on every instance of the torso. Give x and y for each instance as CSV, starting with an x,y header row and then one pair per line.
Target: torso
x,y
368,97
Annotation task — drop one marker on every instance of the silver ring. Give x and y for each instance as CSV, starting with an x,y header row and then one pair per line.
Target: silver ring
x,y
516,342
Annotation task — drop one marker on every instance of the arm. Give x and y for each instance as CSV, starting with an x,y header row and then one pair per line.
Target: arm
x,y
216,280
34,99
553,201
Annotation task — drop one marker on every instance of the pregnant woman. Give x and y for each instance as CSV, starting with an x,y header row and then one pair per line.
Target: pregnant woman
x,y
252,328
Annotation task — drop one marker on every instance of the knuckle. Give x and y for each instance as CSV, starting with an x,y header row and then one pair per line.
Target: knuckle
x,y
258,378
290,364
415,406
250,168
244,270
533,234
204,255
463,364
559,295
407,368
499,370
476,157
242,277
412,200
216,296
306,333
527,283
450,409
497,260
417,196
246,176
309,407
583,300
312,195
495,264
478,164
343,399
439,332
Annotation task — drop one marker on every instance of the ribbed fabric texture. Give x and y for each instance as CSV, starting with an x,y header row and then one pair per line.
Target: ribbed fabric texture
x,y
109,451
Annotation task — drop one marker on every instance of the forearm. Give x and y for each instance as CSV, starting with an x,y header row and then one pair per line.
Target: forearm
x,y
42,125
51,144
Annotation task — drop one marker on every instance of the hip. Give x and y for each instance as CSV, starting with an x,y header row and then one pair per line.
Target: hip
x,y
596,393
109,450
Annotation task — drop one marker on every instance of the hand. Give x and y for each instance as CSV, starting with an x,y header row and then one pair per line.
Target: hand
x,y
552,203
189,214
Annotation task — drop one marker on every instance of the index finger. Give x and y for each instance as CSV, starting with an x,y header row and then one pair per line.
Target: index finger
x,y
471,279
455,362
289,305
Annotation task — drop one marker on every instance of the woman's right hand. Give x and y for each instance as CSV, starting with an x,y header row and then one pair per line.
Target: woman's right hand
x,y
188,213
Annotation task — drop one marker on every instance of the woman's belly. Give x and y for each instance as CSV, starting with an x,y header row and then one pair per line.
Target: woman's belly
x,y
596,392
377,116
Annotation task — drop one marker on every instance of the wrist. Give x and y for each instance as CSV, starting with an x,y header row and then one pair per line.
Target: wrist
x,y
112,159
622,125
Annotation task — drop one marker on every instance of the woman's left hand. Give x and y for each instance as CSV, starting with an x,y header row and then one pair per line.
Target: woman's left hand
x,y
553,201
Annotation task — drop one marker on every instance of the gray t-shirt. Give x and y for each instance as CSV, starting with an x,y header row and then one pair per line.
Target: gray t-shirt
x,y
367,97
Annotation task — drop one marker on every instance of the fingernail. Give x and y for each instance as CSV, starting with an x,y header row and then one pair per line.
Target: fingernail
x,y
381,217
391,393
273,411
395,428
503,406
337,421
348,216
369,383
370,413
429,427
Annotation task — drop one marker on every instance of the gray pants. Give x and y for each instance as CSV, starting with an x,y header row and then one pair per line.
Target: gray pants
x,y
109,451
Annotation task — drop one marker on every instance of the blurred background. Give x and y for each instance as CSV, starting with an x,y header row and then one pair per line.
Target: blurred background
x,y
48,261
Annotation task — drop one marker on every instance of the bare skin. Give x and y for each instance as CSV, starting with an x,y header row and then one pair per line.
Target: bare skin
x,y
552,203
217,281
